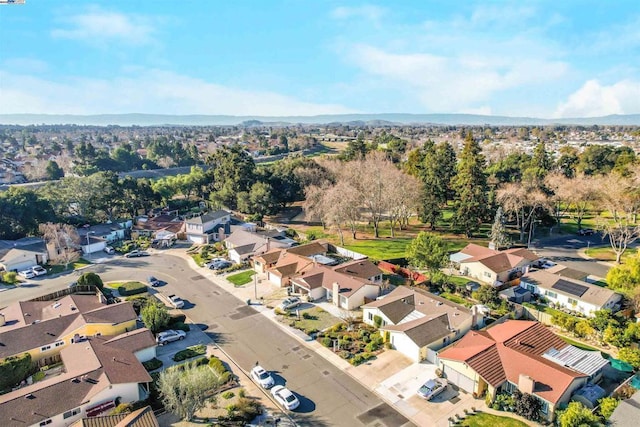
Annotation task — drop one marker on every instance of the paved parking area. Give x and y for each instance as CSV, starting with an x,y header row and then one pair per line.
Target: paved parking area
x,y
400,390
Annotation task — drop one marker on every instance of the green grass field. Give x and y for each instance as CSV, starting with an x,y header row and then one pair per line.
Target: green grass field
x,y
605,253
242,278
488,420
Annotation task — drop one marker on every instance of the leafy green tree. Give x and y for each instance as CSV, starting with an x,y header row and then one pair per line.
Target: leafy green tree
x,y
53,171
21,212
486,294
630,355
541,161
90,279
233,173
499,236
625,278
510,168
447,161
428,251
356,149
186,389
470,184
155,316
607,406
584,329
578,415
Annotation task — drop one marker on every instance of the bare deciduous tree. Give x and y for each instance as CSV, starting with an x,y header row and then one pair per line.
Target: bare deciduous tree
x,y
523,202
562,188
63,242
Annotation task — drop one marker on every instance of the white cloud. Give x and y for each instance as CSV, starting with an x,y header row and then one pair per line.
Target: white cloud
x,y
368,12
458,82
148,91
594,99
97,25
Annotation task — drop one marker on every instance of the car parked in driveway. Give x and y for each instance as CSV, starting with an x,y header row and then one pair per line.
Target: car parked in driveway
x,y
110,250
432,388
39,270
27,274
289,303
285,397
262,377
220,265
169,336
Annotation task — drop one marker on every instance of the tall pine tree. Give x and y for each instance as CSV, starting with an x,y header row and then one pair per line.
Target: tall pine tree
x,y
470,184
499,237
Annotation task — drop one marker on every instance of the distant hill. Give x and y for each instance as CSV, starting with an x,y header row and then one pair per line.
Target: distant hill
x,y
382,119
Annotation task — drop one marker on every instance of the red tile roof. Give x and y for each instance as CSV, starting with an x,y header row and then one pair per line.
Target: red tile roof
x,y
504,352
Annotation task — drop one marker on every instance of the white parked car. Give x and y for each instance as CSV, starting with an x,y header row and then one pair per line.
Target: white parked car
x,y
27,274
432,388
262,377
39,270
284,397
169,336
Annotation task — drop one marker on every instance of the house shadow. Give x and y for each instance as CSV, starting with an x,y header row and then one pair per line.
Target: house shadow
x,y
219,337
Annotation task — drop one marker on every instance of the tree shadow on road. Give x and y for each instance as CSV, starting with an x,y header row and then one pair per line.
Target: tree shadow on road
x,y
219,337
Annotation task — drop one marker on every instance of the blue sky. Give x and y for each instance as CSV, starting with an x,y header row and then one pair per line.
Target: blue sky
x,y
547,59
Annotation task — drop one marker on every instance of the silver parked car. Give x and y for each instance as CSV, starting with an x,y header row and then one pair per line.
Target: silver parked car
x,y
169,336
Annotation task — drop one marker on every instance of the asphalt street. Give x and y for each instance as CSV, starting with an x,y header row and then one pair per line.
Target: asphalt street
x,y
328,396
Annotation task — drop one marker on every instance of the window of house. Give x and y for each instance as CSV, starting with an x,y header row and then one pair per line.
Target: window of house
x,y
45,348
58,343
509,387
71,413
529,287
370,316
487,274
544,408
573,301
45,422
551,294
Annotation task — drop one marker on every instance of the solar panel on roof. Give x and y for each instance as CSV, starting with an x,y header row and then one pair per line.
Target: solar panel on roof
x,y
570,288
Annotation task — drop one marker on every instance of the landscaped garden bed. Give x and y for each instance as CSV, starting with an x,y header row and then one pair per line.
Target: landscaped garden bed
x,y
310,321
189,352
356,343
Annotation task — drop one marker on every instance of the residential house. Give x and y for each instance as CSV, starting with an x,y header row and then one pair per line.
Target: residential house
x,y
362,268
160,224
310,253
343,290
44,328
210,227
520,355
571,294
492,266
288,265
143,417
96,237
99,372
22,254
243,244
418,323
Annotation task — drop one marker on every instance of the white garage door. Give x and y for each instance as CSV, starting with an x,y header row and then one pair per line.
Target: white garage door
x,y
432,356
462,381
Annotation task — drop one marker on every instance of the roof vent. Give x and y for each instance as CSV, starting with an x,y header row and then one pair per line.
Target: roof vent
x,y
75,380
421,302
56,305
30,396
439,303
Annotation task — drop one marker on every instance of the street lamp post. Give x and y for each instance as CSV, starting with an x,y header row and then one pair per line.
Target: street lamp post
x,y
255,285
89,232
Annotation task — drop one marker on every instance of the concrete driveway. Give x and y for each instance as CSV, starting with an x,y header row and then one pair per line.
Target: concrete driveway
x,y
400,389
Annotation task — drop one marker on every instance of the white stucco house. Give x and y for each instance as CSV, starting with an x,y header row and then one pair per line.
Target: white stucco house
x,y
243,244
340,289
569,293
492,266
418,323
22,254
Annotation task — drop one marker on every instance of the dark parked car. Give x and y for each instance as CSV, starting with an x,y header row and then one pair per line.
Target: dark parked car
x,y
586,231
153,281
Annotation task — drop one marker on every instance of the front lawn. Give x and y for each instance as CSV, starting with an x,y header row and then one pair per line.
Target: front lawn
x,y
59,268
605,253
380,249
311,320
488,420
241,278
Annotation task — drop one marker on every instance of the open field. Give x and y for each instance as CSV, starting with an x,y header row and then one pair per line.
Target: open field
x,y
605,253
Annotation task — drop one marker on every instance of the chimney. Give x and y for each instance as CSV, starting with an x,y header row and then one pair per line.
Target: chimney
x,y
336,294
526,384
268,243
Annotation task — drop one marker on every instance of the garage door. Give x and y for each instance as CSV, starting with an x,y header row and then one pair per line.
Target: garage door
x,y
462,381
432,356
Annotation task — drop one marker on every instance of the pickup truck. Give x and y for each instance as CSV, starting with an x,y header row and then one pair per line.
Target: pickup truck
x,y
175,301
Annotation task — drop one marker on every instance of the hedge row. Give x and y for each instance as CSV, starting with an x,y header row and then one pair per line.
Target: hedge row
x,y
132,288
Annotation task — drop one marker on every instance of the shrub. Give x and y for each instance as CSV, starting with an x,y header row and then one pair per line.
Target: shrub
x,y
377,339
377,321
177,318
132,288
138,302
607,406
326,341
338,327
123,408
307,315
9,277
152,365
217,365
361,358
38,376
189,352
242,392
372,346
228,395
310,331
181,326
14,369
90,279
345,355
